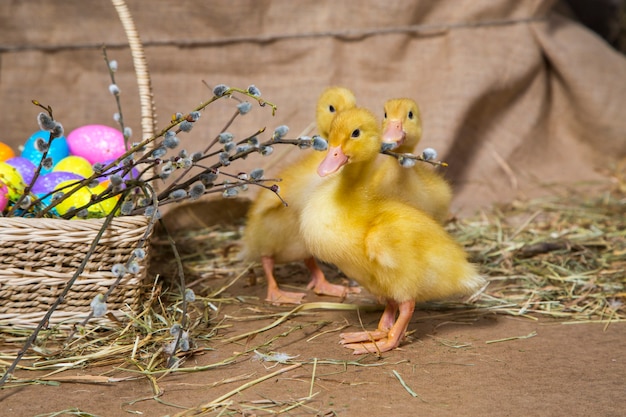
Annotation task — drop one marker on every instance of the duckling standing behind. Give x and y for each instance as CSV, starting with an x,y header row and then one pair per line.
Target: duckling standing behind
x,y
420,186
272,233
394,250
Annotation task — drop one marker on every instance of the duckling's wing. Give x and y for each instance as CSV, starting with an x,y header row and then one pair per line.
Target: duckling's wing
x,y
382,239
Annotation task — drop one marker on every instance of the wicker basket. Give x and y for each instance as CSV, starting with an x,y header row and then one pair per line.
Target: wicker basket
x,y
39,256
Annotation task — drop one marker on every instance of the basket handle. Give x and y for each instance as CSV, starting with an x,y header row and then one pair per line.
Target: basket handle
x,y
146,98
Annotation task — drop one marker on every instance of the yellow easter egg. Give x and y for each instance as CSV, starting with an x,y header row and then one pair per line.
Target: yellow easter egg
x,y
12,179
82,196
6,152
77,198
104,207
76,165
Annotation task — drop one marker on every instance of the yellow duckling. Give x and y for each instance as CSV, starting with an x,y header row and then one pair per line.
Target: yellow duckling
x,y
272,233
420,186
394,250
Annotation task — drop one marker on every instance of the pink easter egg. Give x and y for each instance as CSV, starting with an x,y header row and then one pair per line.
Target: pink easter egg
x,y
96,143
4,196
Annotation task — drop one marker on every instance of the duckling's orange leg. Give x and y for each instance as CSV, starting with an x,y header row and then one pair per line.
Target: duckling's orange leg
x,y
386,322
321,286
388,318
394,337
274,294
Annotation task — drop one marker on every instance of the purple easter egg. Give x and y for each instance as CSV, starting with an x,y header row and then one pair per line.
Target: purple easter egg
x,y
47,182
96,143
118,169
24,166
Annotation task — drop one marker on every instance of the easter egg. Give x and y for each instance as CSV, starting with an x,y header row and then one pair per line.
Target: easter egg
x,y
74,164
82,197
105,206
6,152
4,196
77,199
45,184
25,167
48,182
96,143
58,149
12,179
119,170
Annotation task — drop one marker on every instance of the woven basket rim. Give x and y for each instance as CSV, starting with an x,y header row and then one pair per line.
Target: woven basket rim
x,y
65,224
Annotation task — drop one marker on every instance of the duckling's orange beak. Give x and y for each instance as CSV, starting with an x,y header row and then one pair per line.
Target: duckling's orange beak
x,y
394,133
335,159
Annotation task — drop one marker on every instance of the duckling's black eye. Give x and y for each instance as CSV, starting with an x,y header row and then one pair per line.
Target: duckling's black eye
x,y
411,114
331,108
356,133
385,115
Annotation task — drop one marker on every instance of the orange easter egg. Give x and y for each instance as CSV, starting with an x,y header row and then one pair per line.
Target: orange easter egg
x,y
6,152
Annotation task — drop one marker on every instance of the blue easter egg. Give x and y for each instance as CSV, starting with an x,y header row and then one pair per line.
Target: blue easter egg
x,y
59,149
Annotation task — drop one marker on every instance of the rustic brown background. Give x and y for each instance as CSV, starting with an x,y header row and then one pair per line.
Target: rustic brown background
x,y
514,96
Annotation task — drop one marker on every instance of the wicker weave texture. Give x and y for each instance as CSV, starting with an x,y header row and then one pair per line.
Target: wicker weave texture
x,y
39,256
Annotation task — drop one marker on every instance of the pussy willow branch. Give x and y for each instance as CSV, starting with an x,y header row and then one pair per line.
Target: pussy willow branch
x,y
415,157
148,141
37,173
183,291
244,140
216,166
209,146
118,102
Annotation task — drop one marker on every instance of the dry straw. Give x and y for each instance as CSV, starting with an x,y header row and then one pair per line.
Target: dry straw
x,y
558,257
561,257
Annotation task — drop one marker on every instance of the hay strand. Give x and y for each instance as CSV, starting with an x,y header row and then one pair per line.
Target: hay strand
x,y
220,400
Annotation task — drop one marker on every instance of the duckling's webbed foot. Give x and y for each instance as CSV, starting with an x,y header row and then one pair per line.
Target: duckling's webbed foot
x,y
389,340
274,294
379,346
321,286
334,290
278,296
387,320
348,339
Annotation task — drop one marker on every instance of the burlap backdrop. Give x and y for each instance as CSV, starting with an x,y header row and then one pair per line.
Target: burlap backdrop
x,y
513,95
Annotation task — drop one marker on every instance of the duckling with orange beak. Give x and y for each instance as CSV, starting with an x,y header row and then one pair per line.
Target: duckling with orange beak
x,y
394,250
272,233
419,186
